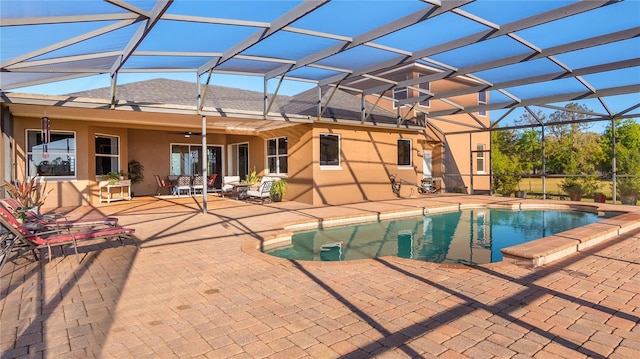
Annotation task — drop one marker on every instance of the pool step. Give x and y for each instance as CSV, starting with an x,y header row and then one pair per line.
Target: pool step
x,y
548,249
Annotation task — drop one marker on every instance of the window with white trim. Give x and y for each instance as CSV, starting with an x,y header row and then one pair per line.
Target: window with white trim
x,y
55,159
404,152
277,155
480,158
329,149
482,100
107,154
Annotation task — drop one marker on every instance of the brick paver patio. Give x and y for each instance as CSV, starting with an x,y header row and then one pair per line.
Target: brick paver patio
x,y
191,291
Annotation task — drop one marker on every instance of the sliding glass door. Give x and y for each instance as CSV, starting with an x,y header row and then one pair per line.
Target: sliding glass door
x,y
186,160
239,160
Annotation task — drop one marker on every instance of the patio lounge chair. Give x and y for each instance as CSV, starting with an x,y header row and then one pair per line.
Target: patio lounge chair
x,y
33,241
263,192
162,184
55,221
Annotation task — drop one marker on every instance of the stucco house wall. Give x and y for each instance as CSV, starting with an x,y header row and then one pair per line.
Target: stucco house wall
x,y
146,130
367,158
75,190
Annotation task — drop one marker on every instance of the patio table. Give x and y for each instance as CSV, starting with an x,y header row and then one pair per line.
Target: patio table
x,y
240,189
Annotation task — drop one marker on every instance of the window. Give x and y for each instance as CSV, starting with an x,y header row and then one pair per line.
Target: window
x,y
480,158
399,93
277,149
57,159
404,152
482,100
329,150
427,87
107,154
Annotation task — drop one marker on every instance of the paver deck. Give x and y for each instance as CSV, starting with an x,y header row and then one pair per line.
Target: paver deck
x,y
191,291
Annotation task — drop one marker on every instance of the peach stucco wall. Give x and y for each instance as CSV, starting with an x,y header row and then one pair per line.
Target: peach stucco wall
x,y
456,157
152,148
83,188
367,158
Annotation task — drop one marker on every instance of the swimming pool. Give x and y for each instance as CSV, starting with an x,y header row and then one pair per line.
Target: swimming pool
x,y
470,236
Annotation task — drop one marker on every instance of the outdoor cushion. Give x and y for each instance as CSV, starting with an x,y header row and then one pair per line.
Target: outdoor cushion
x,y
24,234
263,192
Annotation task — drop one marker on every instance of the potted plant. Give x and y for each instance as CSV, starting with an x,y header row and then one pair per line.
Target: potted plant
x,y
573,188
578,187
520,193
31,194
252,179
629,190
136,174
599,197
277,190
113,177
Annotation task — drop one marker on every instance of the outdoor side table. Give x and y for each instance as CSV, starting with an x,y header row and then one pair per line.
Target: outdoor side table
x,y
106,188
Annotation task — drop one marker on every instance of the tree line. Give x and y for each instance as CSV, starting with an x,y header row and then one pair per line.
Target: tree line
x,y
570,148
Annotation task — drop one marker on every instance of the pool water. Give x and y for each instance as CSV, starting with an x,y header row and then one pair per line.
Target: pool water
x,y
473,236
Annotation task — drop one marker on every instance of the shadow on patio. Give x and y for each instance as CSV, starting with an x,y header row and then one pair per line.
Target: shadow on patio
x,y
191,291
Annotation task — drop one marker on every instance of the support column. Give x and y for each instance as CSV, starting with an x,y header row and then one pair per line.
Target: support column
x,y
544,167
491,162
114,86
266,99
319,105
470,164
613,159
205,165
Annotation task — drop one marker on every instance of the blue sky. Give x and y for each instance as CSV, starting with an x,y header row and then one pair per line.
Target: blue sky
x,y
254,83
342,22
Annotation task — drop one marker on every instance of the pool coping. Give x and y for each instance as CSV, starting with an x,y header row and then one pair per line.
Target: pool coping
x,y
531,254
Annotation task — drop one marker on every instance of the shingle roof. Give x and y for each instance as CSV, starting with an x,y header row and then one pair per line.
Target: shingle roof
x,y
343,105
176,92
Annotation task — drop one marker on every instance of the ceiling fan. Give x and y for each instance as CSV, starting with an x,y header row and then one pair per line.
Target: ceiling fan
x,y
187,134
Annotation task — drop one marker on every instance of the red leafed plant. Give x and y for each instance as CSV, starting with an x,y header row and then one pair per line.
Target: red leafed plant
x,y
31,193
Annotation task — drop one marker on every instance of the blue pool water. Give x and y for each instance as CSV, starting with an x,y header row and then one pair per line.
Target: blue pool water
x,y
472,236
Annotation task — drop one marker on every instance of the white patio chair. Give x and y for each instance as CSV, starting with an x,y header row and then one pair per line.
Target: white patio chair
x,y
184,184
